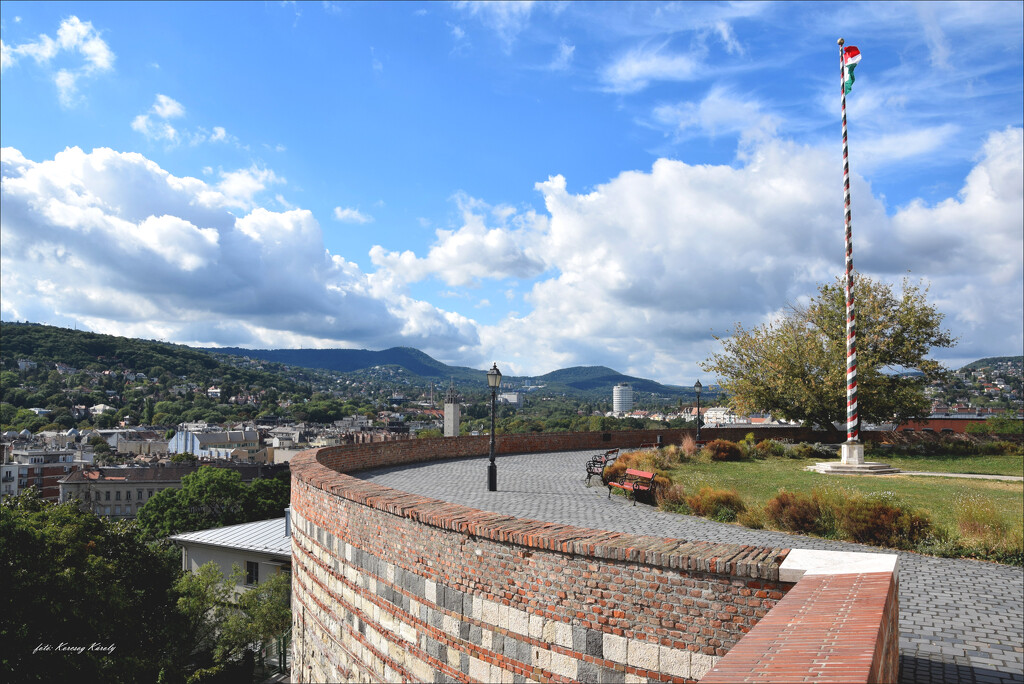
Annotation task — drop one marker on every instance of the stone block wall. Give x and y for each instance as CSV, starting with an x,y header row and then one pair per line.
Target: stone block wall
x,y
393,586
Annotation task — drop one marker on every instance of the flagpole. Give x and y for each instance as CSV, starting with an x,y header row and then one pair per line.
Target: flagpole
x,y
852,418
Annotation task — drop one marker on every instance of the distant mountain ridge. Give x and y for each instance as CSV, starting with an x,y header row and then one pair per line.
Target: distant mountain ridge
x,y
351,360
586,379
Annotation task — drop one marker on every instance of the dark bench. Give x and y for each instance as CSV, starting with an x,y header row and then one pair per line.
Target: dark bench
x,y
633,481
597,464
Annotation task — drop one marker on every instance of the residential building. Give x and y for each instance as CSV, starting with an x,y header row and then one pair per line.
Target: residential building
x,y
622,397
260,549
239,445
40,468
119,492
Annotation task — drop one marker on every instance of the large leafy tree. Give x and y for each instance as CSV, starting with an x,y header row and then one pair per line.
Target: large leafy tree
x,y
795,367
214,497
84,599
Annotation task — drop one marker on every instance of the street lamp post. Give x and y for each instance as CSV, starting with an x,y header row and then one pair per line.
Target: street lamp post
x,y
698,388
493,381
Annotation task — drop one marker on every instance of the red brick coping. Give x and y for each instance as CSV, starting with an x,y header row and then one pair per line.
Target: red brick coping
x,y
840,623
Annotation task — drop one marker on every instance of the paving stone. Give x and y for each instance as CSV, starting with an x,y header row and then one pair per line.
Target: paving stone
x,y
960,620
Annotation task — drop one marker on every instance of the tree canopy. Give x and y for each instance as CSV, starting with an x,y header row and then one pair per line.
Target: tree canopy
x,y
795,367
214,497
74,581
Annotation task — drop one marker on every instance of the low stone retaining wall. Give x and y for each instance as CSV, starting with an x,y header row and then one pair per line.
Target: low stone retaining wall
x,y
391,586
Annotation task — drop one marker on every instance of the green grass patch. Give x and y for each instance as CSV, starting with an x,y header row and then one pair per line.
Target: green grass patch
x,y
972,518
988,464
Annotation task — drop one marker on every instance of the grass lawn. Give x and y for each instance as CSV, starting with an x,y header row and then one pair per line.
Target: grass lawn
x,y
758,481
999,464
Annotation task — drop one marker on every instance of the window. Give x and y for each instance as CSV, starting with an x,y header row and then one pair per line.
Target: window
x,y
117,510
117,495
107,498
252,572
149,494
138,493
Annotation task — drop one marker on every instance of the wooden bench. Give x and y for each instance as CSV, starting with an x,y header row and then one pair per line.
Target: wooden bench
x,y
633,481
597,464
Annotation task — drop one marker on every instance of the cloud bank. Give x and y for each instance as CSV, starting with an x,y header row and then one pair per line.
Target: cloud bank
x,y
636,273
113,242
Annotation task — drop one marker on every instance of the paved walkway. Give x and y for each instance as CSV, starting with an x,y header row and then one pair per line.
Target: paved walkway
x,y
1005,478
960,620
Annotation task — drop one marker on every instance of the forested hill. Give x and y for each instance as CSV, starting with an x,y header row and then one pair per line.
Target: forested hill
x,y
602,378
994,362
47,344
351,360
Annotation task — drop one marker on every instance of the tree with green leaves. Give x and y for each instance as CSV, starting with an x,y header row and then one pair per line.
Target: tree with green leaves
x,y
84,599
214,497
795,368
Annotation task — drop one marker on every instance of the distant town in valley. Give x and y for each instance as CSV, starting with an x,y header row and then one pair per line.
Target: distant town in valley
x,y
73,400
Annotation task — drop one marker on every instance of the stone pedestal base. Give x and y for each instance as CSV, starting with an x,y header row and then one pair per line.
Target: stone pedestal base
x,y
852,463
852,453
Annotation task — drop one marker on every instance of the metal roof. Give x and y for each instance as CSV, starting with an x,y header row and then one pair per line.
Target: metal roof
x,y
264,536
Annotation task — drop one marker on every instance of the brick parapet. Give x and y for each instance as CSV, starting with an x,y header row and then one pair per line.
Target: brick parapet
x,y
387,582
396,586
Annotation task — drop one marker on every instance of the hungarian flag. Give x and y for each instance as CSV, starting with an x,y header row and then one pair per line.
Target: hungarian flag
x,y
851,57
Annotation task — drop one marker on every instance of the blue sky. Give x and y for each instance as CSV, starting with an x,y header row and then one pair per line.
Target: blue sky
x,y
537,184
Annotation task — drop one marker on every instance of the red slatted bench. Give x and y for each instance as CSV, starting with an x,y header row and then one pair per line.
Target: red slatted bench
x,y
633,481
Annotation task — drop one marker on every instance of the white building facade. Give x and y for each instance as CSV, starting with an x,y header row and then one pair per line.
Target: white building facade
x,y
622,397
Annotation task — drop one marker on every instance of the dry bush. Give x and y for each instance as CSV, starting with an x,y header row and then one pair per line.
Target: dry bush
x,y
769,448
754,518
717,504
881,520
723,450
793,512
673,498
689,446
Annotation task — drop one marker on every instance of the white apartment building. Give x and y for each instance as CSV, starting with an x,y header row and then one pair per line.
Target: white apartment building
x,y
622,397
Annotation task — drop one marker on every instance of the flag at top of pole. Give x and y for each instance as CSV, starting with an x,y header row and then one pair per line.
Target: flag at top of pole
x,y
851,57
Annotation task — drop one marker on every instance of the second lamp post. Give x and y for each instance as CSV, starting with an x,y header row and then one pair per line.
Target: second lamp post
x,y
697,386
493,381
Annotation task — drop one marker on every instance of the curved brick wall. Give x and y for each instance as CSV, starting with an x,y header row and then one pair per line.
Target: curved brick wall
x,y
390,586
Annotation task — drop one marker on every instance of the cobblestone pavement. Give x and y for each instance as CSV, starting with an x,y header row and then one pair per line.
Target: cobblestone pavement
x,y
960,620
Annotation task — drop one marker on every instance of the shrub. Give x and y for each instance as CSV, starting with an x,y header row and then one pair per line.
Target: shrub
x,y
816,450
673,498
793,512
754,518
724,450
881,520
769,448
717,504
689,446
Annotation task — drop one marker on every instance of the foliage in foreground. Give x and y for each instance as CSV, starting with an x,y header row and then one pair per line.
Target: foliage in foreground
x,y
91,600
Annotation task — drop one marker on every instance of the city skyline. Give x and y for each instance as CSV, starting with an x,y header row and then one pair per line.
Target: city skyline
x,y
541,185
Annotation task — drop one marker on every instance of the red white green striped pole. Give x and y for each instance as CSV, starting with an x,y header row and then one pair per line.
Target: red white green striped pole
x,y
852,418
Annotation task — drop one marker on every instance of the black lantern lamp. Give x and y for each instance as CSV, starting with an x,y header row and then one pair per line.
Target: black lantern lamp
x,y
494,382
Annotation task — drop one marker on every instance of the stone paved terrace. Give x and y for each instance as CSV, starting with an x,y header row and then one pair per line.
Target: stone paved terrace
x,y
960,620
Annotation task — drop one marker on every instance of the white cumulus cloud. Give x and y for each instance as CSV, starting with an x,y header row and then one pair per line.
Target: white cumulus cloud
x,y
111,241
86,50
350,215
